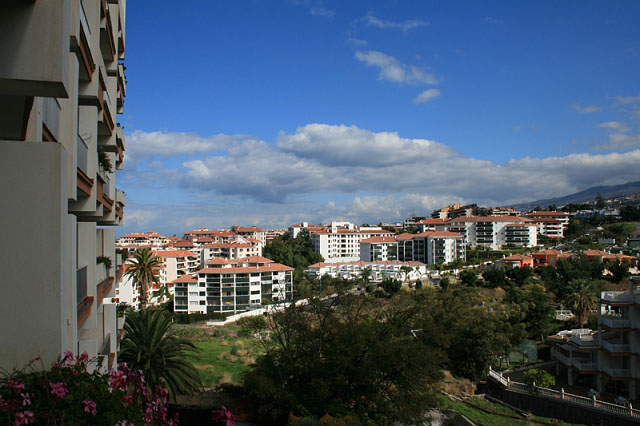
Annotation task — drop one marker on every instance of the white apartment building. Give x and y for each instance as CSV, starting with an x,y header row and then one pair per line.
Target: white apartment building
x,y
176,264
234,249
378,249
431,247
233,285
562,217
294,230
379,270
607,358
252,232
340,242
493,232
61,85
549,227
138,240
432,225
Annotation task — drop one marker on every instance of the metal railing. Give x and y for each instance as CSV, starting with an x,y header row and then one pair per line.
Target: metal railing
x,y
81,284
562,395
616,347
616,296
614,322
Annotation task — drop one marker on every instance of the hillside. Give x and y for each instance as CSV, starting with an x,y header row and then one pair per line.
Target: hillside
x,y
587,195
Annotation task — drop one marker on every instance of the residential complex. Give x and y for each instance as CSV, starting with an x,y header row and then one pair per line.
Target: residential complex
x,y
233,285
607,358
493,232
62,83
379,270
455,210
340,242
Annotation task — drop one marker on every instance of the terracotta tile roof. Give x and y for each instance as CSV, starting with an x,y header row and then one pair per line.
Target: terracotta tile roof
x,y
251,229
596,253
174,253
515,257
379,240
463,219
365,264
187,278
432,221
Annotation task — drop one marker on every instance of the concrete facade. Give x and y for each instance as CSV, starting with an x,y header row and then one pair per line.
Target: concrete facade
x,y
61,86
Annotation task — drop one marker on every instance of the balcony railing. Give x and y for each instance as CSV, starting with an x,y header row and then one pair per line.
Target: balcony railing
x,y
616,297
615,322
584,365
618,372
585,340
616,347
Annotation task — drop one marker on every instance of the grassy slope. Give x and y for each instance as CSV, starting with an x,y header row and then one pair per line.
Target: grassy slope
x,y
486,419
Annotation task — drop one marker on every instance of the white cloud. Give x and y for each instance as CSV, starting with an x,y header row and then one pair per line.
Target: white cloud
x,y
323,172
147,145
627,99
585,109
615,125
405,26
391,69
426,96
620,141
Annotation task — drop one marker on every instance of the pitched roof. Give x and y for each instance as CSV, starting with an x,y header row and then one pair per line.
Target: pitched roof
x,y
384,239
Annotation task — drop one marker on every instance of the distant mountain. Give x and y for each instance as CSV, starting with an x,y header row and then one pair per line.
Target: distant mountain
x,y
587,195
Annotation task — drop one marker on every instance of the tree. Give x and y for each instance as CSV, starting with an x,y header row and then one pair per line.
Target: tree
x,y
444,283
535,305
600,203
540,377
494,277
391,286
295,252
580,299
149,344
629,214
142,268
619,270
468,277
346,355
519,275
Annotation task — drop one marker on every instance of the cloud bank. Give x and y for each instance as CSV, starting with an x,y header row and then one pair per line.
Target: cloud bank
x,y
366,176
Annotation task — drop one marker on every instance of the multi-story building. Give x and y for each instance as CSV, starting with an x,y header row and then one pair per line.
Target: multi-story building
x,y
548,227
176,264
606,358
235,249
378,270
562,217
61,85
455,210
137,240
431,247
494,231
233,285
340,242
378,248
253,232
432,225
505,211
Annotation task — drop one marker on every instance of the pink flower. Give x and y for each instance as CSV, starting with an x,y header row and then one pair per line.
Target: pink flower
x,y
124,423
23,418
59,390
83,357
26,399
15,385
68,356
89,407
223,415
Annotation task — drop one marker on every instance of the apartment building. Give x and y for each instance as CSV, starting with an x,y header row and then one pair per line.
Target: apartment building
x,y
562,217
235,249
494,232
379,270
505,211
61,85
455,210
340,242
378,249
432,225
294,230
548,226
138,240
233,285
431,247
252,232
176,264
607,358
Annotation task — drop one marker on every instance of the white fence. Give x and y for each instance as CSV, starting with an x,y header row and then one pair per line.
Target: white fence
x,y
562,395
255,312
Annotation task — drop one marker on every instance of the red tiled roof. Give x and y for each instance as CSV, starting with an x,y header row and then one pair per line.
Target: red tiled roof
x,y
359,263
173,253
463,219
379,240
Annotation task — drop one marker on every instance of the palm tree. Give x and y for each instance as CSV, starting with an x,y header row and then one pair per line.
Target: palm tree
x,y
150,344
580,299
142,269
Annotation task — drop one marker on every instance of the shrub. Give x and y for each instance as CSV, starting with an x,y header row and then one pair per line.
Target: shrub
x,y
540,377
69,394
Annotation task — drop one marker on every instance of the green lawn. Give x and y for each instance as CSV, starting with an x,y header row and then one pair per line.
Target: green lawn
x,y
480,417
223,356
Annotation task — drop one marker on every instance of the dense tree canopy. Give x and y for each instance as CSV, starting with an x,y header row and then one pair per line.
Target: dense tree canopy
x,y
295,252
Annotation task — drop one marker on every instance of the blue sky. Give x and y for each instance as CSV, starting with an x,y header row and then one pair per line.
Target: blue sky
x,y
271,112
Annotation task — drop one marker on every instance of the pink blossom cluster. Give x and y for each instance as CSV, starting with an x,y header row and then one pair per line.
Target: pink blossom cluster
x,y
223,415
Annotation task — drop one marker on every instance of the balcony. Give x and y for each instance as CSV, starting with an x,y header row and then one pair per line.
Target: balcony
x,y
616,297
102,197
80,44
585,365
122,89
616,348
615,322
585,341
618,373
107,39
559,355
103,288
119,147
84,182
105,120
84,301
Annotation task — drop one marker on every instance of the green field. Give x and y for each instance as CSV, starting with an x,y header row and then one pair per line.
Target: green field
x,y
223,356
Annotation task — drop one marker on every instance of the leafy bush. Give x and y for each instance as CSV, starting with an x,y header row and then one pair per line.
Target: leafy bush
x,y
540,377
69,394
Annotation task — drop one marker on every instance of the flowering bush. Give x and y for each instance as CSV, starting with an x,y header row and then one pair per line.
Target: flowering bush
x,y
68,394
222,416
